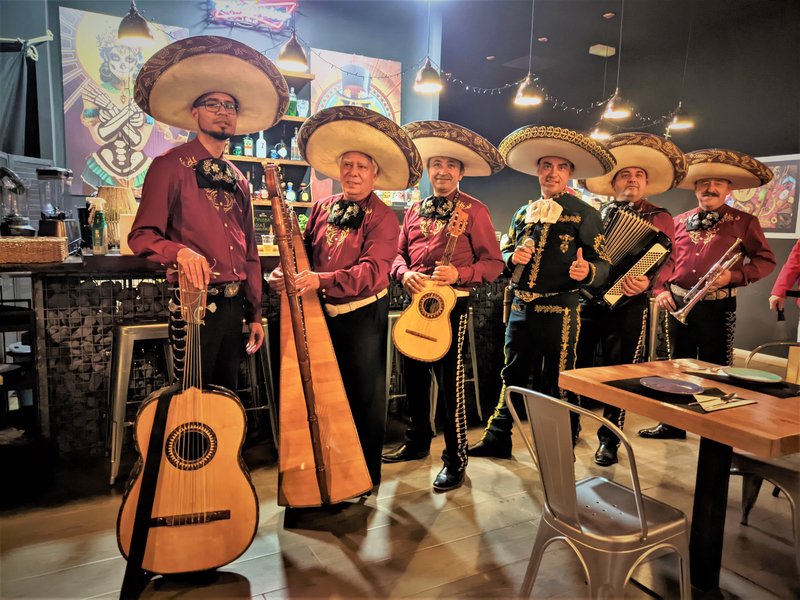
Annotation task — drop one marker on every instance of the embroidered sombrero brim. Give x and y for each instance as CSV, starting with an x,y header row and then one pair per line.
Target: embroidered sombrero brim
x,y
743,171
175,76
333,131
663,161
440,138
523,148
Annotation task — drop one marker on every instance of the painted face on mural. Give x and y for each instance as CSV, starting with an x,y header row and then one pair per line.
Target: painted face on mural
x,y
120,63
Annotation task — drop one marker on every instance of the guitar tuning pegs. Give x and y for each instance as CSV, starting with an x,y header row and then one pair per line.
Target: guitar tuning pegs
x,y
212,307
172,306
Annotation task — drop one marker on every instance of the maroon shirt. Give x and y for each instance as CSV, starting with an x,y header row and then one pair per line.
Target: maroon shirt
x,y
789,275
476,255
352,264
175,213
695,252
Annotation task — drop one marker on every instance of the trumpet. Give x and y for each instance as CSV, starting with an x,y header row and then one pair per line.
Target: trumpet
x,y
702,287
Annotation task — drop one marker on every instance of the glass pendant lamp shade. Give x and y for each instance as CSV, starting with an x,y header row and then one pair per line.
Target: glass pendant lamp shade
x,y
428,80
527,94
292,57
134,29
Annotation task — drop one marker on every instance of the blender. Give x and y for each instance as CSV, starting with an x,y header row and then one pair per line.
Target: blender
x,y
54,185
15,205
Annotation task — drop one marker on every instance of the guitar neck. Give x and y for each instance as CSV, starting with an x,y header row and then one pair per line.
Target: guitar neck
x,y
448,250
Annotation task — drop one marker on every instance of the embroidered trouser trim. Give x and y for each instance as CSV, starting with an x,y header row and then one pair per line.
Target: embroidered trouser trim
x,y
450,374
541,339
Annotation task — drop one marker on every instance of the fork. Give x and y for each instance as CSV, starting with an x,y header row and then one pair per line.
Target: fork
x,y
724,399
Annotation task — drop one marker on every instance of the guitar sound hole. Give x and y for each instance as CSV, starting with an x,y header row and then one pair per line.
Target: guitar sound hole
x,y
431,305
191,446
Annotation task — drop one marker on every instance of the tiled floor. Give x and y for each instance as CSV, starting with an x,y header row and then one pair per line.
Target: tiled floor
x,y
404,541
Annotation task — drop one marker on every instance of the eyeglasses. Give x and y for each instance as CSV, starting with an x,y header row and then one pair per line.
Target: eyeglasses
x,y
214,106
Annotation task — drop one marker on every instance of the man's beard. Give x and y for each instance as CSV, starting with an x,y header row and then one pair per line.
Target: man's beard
x,y
217,135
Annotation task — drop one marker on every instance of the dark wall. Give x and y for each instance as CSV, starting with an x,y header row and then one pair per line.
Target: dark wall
x,y
742,84
389,30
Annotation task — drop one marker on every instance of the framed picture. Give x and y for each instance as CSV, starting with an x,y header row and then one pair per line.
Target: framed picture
x,y
775,204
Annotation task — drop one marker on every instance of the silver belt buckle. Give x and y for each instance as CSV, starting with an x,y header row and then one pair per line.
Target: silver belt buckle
x,y
231,289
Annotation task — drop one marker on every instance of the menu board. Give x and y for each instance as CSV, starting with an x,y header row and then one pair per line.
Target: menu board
x,y
262,220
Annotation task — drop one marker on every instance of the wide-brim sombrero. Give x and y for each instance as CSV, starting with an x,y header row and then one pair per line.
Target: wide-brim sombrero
x,y
440,138
333,131
523,148
742,170
175,76
663,161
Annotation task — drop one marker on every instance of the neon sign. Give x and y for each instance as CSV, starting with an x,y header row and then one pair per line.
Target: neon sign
x,y
252,14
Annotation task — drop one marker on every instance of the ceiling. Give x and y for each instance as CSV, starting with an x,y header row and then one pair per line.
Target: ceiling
x,y
743,53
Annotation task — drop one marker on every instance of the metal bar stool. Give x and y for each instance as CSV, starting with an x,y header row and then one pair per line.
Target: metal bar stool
x,y
259,379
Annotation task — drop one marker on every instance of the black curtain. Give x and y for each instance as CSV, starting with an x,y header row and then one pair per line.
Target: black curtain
x,y
19,101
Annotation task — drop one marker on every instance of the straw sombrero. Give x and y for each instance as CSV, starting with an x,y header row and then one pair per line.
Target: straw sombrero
x,y
333,131
440,138
523,148
663,161
178,74
743,171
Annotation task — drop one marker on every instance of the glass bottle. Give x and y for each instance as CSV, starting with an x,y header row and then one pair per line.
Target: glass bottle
x,y
247,142
99,232
304,195
261,146
295,149
292,110
291,195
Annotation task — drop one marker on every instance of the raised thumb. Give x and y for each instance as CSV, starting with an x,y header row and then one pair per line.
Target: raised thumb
x,y
579,256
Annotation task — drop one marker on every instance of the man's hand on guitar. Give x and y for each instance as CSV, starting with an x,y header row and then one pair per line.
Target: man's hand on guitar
x,y
633,286
579,269
275,280
414,282
522,255
195,266
445,274
306,281
256,338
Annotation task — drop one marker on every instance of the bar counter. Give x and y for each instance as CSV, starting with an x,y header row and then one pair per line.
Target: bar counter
x,y
79,302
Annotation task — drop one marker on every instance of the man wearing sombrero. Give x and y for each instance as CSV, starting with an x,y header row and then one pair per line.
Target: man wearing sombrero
x,y
353,240
647,165
195,211
555,245
702,235
449,153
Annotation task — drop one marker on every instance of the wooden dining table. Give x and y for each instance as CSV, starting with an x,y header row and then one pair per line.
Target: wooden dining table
x,y
768,428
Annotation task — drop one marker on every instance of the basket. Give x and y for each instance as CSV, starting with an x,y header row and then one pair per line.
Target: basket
x,y
32,249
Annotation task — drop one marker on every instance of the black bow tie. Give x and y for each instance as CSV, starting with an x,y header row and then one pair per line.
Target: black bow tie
x,y
216,174
705,219
437,207
346,214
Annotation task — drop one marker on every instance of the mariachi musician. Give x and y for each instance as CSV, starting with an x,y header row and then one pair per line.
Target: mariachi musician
x,y
702,237
195,212
555,245
647,165
352,240
449,153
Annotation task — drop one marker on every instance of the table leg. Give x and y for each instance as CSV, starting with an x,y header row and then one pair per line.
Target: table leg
x,y
708,513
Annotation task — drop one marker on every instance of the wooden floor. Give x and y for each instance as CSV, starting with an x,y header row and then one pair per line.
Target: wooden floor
x,y
404,541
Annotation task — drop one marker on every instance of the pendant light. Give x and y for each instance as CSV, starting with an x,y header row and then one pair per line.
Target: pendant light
x,y
292,57
617,108
134,30
600,132
527,93
428,80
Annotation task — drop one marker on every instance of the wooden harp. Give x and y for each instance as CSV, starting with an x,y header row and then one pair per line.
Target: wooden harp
x,y
320,455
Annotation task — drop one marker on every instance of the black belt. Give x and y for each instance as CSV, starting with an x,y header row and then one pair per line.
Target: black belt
x,y
229,290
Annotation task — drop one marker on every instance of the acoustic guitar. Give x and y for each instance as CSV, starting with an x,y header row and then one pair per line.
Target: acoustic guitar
x,y
197,508
423,331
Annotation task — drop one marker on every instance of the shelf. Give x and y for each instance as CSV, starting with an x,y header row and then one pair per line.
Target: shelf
x,y
293,119
297,75
298,204
272,161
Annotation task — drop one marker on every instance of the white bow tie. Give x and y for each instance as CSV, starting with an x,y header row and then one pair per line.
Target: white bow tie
x,y
543,210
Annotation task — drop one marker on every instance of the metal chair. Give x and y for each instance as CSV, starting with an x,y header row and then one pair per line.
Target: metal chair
x,y
259,377
610,527
784,472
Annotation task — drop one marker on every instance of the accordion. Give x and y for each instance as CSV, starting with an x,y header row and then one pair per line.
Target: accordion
x,y
634,247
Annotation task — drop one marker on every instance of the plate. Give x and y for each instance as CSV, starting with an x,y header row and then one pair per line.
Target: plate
x,y
671,386
752,375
